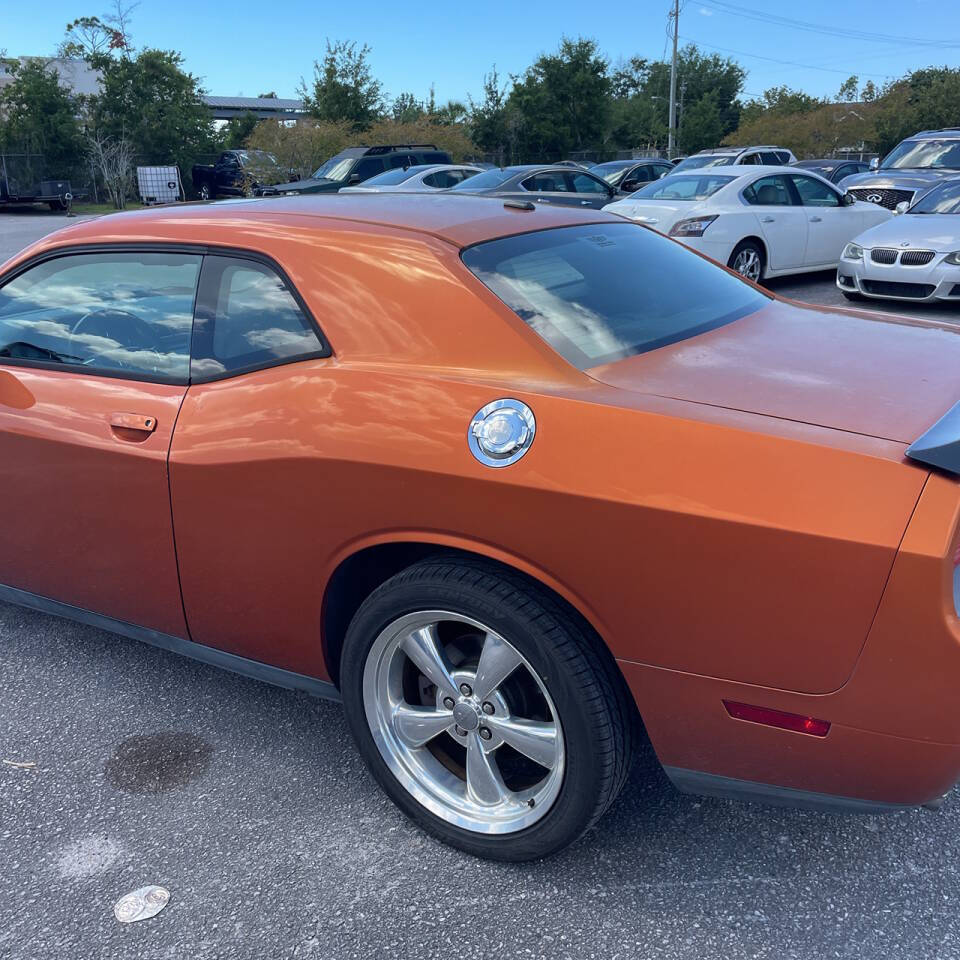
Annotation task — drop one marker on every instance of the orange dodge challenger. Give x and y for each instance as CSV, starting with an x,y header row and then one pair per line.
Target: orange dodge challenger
x,y
515,483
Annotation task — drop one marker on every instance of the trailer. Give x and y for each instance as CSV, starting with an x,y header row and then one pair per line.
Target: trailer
x,y
22,181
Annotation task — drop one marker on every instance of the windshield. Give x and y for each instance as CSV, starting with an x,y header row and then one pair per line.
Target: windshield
x,y
393,177
336,168
705,160
942,199
610,170
484,181
601,292
923,153
683,187
257,156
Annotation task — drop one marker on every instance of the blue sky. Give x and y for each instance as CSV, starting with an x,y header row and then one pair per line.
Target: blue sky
x,y
243,47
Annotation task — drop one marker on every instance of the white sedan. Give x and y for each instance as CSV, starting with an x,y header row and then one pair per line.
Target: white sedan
x,y
420,178
914,257
760,221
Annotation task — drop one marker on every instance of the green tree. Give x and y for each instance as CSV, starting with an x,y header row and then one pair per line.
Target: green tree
x,y
923,100
344,87
563,101
488,118
39,115
783,101
849,90
237,130
152,102
406,108
701,124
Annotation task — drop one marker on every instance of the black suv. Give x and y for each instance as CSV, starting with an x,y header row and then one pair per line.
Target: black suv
x,y
356,164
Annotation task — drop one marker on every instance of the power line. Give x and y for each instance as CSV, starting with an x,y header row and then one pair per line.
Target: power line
x,y
847,33
792,63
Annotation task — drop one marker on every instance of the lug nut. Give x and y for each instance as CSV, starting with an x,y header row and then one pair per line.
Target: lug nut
x,y
487,708
485,733
449,703
466,689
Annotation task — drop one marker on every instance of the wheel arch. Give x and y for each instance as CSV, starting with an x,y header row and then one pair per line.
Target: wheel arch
x,y
358,570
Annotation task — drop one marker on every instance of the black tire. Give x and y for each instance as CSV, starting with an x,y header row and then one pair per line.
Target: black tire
x,y
595,708
854,297
57,206
747,247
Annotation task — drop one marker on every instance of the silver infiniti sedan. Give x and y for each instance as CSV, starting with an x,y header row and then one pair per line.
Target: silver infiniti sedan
x,y
915,256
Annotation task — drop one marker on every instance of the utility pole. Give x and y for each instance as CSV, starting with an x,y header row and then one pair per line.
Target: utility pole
x,y
672,134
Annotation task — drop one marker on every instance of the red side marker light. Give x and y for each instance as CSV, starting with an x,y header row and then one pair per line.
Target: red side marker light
x,y
777,718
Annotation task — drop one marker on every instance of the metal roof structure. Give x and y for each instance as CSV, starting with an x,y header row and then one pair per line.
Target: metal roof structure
x,y
224,108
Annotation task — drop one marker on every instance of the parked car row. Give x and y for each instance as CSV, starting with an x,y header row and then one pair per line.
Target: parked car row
x,y
756,209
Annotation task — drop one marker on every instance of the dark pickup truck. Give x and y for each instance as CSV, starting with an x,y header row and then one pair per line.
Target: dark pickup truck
x,y
356,164
237,173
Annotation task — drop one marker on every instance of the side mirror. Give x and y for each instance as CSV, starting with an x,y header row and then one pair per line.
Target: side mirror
x,y
354,178
875,163
848,199
902,207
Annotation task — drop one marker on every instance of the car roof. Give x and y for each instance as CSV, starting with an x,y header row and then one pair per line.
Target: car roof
x,y
459,219
935,134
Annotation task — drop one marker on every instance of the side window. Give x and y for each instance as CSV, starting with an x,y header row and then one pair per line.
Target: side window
x,y
367,167
546,183
444,178
772,159
584,183
768,192
402,160
750,158
247,318
661,170
813,193
435,157
108,313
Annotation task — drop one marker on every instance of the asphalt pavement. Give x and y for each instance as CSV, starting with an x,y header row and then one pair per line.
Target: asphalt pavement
x,y
122,765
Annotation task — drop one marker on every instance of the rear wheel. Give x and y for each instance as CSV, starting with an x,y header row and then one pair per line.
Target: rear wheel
x,y
748,260
485,710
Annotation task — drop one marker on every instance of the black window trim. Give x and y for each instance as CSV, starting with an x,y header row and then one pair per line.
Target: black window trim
x,y
201,250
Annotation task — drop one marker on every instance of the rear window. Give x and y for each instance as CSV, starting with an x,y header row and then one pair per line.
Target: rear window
x,y
393,177
485,180
601,292
706,160
683,187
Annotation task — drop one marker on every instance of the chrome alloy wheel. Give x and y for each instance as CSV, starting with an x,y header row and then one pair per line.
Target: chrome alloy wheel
x,y
463,722
748,265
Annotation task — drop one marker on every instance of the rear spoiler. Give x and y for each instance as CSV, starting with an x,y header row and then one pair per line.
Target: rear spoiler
x,y
940,445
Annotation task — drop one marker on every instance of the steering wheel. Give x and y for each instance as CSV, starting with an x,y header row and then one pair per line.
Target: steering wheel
x,y
126,329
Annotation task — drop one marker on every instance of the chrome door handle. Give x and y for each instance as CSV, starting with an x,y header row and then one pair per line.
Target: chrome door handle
x,y
768,219
133,421
816,219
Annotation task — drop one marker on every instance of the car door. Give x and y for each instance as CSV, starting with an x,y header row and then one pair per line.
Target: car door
x,y
94,365
780,220
588,190
235,462
228,173
547,186
830,224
